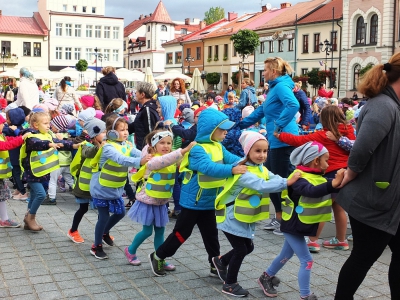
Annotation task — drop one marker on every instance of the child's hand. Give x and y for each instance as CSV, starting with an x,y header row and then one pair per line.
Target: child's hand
x,y
262,131
330,136
338,178
276,134
167,122
239,170
26,135
145,159
294,178
59,136
13,127
188,148
76,146
56,145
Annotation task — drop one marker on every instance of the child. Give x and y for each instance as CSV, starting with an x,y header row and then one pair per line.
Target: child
x,y
82,172
306,203
244,201
90,101
7,143
117,106
220,102
38,157
231,100
149,209
206,167
110,171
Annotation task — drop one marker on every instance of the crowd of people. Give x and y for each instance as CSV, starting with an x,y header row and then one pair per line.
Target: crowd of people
x,y
222,159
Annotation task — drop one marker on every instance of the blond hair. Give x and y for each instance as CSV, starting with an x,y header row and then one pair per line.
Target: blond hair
x,y
231,94
281,66
248,81
35,117
107,70
113,105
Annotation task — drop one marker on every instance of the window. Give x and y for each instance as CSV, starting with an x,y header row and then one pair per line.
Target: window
x,y
83,8
6,48
225,51
97,31
148,28
178,57
37,49
304,71
373,36
305,43
58,52
148,62
68,51
183,31
115,55
106,54
131,64
188,52
74,8
144,63
138,63
360,31
89,31
64,7
89,54
124,45
334,40
356,76
290,44
107,30
93,10
198,53
77,54
78,30
316,42
148,44
271,46
209,52
333,77
68,29
234,52
216,52
115,33
163,28
262,47
58,29
280,46
27,49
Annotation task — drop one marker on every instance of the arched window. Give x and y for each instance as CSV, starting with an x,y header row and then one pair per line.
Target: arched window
x,y
360,31
356,76
373,37
163,28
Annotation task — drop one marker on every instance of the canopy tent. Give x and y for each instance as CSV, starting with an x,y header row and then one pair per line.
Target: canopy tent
x,y
14,72
197,83
172,75
124,74
148,77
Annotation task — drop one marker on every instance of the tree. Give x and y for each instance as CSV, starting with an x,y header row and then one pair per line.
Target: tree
x,y
214,14
366,69
213,78
81,66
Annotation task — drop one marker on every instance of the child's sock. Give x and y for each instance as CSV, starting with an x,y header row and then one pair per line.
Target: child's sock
x,y
3,211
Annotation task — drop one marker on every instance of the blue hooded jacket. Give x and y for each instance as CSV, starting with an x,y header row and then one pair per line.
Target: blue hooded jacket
x,y
279,110
248,91
17,118
199,161
168,108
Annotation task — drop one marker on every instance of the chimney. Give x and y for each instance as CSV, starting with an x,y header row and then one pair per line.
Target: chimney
x,y
264,8
285,5
141,17
146,16
1,12
232,16
202,24
187,21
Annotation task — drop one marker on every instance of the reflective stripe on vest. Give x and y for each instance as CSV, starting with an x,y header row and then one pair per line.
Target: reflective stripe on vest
x,y
214,151
160,183
46,161
5,164
114,175
85,175
76,163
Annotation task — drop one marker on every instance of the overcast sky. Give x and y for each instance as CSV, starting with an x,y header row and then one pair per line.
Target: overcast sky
x,y
131,9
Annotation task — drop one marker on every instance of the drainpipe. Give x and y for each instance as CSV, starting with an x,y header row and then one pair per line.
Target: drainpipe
x,y
340,57
295,46
394,26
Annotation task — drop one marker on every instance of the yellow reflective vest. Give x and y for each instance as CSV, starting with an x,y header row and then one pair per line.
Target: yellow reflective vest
x,y
5,164
214,151
84,169
159,183
249,205
42,162
112,175
309,210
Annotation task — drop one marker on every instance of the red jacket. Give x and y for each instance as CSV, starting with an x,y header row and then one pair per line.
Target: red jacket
x,y
325,93
11,142
337,156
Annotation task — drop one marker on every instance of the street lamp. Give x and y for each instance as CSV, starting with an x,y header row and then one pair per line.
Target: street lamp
x,y
189,59
98,56
327,50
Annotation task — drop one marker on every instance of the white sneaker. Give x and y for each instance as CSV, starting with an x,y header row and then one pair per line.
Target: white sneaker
x,y
274,224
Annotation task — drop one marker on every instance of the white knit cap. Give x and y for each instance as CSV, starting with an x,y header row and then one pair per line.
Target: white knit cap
x,y
307,153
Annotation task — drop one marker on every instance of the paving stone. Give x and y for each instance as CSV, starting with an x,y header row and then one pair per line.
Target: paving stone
x,y
45,287
20,290
50,295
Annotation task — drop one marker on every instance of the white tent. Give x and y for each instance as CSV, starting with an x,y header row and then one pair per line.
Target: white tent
x,y
172,75
148,77
124,74
14,72
197,83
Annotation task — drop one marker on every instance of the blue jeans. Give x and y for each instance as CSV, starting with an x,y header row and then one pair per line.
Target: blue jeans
x,y
38,194
278,162
105,223
295,244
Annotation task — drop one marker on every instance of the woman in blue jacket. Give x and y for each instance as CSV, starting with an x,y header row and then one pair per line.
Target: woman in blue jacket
x,y
279,111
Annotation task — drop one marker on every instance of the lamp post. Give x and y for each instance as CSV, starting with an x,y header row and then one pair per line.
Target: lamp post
x,y
95,53
3,54
189,59
327,50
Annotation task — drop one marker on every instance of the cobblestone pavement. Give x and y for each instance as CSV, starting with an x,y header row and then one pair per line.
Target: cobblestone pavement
x,y
48,265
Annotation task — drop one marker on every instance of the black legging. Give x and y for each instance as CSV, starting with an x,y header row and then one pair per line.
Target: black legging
x,y
234,258
369,244
82,210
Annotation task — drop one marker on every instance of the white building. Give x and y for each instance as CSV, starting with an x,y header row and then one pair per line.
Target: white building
x,y
77,28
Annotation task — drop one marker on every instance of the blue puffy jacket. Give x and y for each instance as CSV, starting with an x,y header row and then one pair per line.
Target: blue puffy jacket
x,y
199,161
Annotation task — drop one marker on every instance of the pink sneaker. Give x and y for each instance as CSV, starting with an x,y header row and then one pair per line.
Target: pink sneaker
x,y
132,258
334,243
169,267
21,196
313,247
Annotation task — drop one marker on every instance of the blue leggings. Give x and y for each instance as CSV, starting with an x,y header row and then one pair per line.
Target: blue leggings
x,y
295,244
105,223
146,232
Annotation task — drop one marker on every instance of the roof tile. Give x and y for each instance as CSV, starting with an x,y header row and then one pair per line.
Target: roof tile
x,y
325,13
22,25
160,15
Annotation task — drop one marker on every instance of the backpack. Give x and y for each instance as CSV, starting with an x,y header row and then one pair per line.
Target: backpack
x,y
10,95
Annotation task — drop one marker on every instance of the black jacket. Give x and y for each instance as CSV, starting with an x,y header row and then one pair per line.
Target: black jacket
x,y
144,123
305,110
187,135
109,88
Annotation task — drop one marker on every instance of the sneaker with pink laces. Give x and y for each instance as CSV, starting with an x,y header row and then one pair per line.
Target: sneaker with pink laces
x,y
21,196
334,243
313,247
169,267
132,258
9,224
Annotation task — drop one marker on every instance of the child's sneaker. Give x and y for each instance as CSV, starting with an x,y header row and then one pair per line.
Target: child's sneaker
x,y
309,297
334,243
350,237
220,268
49,201
9,224
313,247
108,239
169,267
15,192
132,258
97,251
75,237
157,265
267,284
20,196
234,290
274,224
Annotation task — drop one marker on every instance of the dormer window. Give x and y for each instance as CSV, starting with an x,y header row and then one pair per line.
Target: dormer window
x,y
163,28
183,31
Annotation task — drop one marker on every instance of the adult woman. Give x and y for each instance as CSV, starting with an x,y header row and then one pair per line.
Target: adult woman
x,y
178,90
65,93
162,90
109,87
229,90
323,92
371,192
28,93
248,94
279,111
10,93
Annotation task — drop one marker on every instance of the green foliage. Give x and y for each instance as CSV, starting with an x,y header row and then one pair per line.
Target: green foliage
x,y
366,69
313,78
46,87
213,78
81,65
245,41
214,14
82,87
235,77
